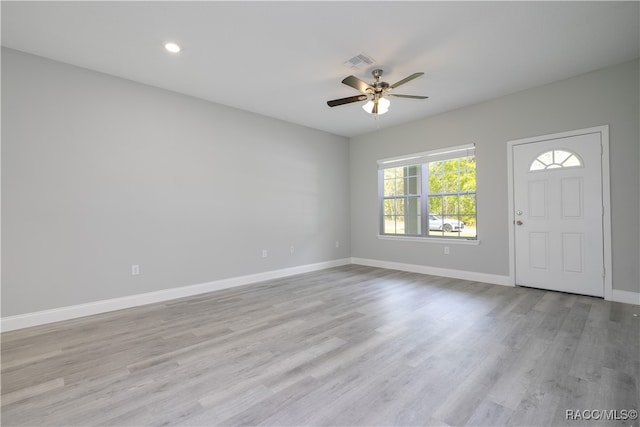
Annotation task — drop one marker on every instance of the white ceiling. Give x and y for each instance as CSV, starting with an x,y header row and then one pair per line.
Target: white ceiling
x,y
285,59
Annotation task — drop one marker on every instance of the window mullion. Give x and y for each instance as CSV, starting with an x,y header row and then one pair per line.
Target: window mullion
x,y
424,201
381,198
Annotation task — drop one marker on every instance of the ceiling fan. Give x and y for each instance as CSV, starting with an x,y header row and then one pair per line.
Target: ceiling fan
x,y
376,92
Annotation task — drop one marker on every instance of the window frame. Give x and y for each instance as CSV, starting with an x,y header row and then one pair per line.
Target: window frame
x,y
422,161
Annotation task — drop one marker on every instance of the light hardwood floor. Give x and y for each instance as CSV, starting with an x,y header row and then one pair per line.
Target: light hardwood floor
x,y
346,346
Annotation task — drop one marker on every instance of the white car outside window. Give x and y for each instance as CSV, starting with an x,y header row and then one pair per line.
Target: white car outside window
x,y
448,224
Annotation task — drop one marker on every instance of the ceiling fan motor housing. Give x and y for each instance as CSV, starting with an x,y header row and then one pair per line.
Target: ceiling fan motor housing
x,y
379,86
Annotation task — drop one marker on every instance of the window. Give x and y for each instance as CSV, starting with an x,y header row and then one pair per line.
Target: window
x,y
555,159
430,194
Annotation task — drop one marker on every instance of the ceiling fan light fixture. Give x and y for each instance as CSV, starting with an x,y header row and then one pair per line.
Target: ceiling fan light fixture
x,y
383,106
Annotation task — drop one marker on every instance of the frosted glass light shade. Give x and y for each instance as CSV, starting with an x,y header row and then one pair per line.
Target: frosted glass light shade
x,y
383,106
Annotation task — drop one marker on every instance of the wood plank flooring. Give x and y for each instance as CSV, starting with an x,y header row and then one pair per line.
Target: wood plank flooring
x,y
346,346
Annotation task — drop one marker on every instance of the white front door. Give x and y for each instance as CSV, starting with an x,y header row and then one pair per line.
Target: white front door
x,y
558,214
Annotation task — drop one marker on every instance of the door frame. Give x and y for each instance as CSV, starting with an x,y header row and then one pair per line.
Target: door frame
x,y
606,199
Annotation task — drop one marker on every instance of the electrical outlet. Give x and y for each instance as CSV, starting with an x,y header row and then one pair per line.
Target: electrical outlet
x,y
337,243
264,253
292,249
446,250
135,270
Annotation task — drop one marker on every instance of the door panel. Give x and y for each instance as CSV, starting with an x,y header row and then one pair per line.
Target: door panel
x,y
572,252
558,225
538,197
539,250
571,198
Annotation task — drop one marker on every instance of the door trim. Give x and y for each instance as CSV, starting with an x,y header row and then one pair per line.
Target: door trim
x,y
606,199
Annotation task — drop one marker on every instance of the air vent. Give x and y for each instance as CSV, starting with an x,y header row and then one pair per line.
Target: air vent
x,y
359,61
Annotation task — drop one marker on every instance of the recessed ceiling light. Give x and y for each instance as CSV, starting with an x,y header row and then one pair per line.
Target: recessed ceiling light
x,y
172,47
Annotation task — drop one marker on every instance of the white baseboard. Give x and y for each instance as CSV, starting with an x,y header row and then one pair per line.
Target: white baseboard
x,y
26,320
494,279
81,310
625,297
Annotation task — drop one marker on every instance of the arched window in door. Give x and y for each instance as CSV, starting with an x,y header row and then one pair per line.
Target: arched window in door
x,y
555,159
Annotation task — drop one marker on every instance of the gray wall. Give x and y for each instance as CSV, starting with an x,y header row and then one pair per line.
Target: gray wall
x,y
99,173
608,96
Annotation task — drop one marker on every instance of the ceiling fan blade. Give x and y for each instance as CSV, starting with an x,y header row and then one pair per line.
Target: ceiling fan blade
x,y
406,79
408,96
358,84
342,101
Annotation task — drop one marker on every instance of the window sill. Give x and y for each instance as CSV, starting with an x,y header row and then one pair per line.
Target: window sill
x,y
444,240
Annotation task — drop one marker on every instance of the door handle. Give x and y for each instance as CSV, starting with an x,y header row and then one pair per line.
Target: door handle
x,y
519,222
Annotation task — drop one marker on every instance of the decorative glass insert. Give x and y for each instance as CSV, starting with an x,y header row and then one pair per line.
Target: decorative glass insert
x,y
555,159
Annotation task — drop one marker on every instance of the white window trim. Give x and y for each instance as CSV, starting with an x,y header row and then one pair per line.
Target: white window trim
x,y
428,156
445,153
443,240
